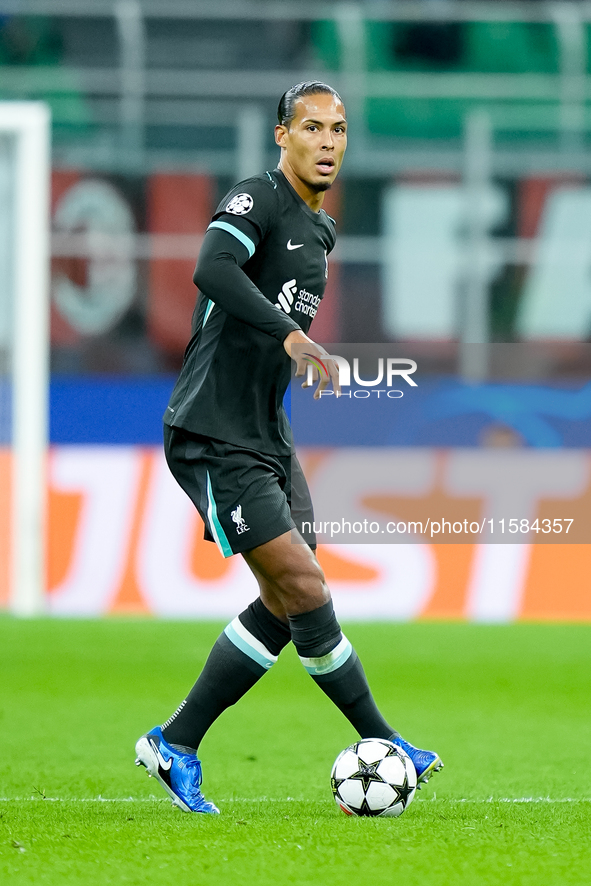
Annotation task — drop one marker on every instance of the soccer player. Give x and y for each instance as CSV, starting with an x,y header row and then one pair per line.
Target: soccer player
x,y
261,271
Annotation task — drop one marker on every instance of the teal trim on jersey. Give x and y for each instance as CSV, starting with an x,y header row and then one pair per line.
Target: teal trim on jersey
x,y
244,640
230,229
326,664
216,527
208,310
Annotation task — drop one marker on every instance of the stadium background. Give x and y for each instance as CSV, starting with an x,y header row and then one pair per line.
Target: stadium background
x,y
465,183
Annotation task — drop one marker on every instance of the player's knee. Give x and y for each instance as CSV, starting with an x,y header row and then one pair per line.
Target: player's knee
x,y
303,587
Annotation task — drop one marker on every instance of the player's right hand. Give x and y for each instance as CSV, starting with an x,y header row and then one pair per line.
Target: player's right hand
x,y
313,362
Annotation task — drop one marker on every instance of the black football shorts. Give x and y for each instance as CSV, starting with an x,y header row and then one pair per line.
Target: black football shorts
x,y
245,498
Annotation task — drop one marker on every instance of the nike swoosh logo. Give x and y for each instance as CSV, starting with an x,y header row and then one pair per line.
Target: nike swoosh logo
x,y
291,245
164,764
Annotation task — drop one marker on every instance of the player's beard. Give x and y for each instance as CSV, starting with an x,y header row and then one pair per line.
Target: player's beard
x,y
321,186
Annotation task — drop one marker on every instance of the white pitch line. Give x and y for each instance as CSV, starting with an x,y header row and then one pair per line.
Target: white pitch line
x,y
518,800
40,799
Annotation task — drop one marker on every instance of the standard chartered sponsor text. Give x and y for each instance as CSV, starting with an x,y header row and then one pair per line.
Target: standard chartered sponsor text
x,y
434,528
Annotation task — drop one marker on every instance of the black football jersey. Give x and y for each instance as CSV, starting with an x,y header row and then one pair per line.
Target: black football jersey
x,y
236,371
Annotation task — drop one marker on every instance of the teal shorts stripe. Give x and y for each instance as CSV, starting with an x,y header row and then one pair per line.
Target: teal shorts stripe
x,y
244,640
208,310
326,664
230,229
216,527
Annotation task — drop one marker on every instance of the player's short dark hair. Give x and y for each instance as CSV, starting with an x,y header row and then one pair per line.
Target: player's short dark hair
x,y
286,109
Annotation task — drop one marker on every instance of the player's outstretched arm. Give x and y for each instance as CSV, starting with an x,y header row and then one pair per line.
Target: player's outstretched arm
x,y
306,353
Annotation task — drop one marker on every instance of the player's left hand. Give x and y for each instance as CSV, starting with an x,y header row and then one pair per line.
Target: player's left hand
x,y
313,362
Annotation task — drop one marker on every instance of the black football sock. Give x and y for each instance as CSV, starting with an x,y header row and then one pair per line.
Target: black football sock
x,y
240,656
332,662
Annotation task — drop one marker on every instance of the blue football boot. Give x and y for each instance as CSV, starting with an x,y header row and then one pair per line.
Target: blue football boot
x,y
179,774
425,762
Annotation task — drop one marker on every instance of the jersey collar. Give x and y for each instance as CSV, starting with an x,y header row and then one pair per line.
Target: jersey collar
x,y
317,217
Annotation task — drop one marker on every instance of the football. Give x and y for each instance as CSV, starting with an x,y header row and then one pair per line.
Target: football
x,y
373,777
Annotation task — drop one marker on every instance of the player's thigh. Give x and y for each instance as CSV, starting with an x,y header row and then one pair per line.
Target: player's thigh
x,y
291,574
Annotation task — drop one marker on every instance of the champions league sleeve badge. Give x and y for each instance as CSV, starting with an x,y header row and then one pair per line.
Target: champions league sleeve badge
x,y
240,204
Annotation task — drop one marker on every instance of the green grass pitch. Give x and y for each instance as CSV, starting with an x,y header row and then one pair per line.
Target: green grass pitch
x,y
507,707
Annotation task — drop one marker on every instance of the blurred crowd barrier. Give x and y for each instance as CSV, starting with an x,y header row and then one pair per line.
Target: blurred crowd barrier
x,y
124,251
463,206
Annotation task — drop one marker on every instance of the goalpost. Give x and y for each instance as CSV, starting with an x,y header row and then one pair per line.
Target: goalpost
x,y
24,341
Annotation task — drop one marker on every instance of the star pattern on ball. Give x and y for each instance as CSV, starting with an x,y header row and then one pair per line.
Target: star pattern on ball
x,y
404,791
367,773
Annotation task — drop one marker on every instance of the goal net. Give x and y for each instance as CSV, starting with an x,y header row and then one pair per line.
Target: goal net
x,y
24,350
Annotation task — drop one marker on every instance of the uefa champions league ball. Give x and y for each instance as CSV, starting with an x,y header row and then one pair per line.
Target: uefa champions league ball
x,y
373,777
